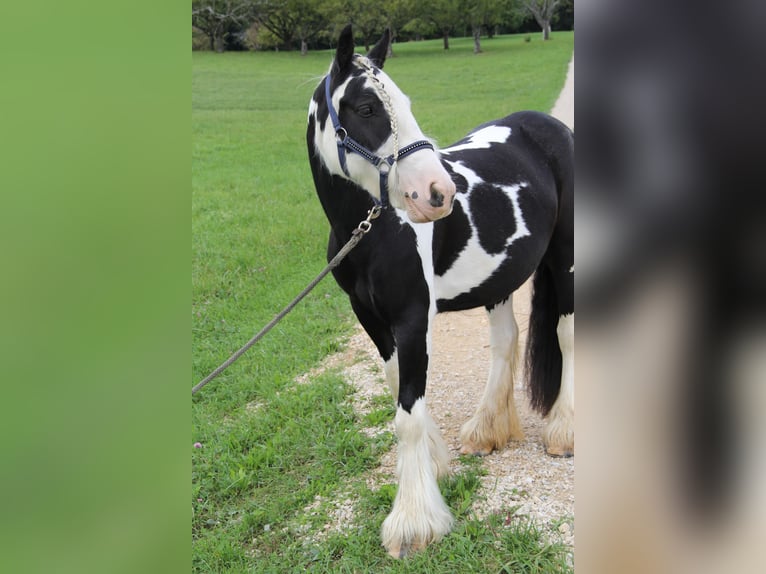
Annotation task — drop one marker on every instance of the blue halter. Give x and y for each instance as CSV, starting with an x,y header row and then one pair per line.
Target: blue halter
x,y
346,142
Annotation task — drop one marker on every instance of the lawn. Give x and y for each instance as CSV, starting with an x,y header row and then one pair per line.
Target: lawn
x,y
271,448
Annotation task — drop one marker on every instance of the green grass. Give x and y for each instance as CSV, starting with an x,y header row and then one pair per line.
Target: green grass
x,y
271,446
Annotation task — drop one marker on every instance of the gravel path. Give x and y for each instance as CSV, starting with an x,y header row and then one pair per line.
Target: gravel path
x,y
521,476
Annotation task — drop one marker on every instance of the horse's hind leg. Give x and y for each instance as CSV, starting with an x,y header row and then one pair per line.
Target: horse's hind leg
x,y
559,431
496,421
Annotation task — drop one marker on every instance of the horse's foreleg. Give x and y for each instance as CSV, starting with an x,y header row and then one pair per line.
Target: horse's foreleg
x,y
382,335
419,515
496,420
391,368
559,431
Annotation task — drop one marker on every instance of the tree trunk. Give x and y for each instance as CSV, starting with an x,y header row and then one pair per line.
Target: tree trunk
x,y
445,36
477,39
546,29
304,47
219,45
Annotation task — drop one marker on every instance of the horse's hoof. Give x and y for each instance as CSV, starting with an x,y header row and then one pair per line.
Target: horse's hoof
x,y
406,549
397,552
475,450
560,452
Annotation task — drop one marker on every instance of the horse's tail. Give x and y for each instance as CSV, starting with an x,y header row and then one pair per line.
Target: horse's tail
x,y
553,285
543,352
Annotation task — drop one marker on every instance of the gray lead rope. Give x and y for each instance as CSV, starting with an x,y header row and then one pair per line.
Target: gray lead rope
x,y
362,229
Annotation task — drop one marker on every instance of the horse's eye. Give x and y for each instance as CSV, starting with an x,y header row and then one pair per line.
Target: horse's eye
x,y
365,110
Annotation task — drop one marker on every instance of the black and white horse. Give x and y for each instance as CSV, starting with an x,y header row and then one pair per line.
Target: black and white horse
x,y
458,228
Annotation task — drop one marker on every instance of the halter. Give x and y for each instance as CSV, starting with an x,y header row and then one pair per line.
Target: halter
x,y
347,143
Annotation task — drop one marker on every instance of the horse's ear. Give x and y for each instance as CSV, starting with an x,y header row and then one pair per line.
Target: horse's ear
x,y
345,51
379,52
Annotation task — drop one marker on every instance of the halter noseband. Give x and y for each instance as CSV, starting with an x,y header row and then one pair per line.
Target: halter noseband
x,y
383,164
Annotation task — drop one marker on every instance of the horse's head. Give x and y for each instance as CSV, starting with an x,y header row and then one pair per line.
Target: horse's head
x,y
368,135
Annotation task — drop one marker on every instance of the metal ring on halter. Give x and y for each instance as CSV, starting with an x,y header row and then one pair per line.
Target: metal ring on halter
x,y
340,138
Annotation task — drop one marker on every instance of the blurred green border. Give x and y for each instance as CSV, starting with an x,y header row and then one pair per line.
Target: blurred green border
x,y
94,223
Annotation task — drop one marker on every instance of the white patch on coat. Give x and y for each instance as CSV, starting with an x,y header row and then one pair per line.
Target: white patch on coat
x,y
471,177
483,139
512,191
472,268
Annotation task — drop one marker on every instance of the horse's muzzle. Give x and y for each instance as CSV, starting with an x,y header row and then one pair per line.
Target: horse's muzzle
x,y
436,204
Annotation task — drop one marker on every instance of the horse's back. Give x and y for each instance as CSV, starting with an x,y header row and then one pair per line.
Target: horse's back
x,y
543,127
523,146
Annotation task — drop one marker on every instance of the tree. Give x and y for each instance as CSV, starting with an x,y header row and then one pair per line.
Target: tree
x,y
216,18
498,13
310,23
484,14
543,11
563,19
445,15
292,20
397,14
366,16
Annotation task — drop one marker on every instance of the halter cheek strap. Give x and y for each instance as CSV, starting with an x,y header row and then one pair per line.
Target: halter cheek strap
x,y
346,143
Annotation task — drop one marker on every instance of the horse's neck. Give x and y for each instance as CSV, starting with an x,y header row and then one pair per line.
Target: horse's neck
x,y
344,203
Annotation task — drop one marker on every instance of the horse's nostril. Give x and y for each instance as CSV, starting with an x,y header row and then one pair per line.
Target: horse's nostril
x,y
437,199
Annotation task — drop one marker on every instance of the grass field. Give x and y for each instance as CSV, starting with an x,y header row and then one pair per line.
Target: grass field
x,y
271,448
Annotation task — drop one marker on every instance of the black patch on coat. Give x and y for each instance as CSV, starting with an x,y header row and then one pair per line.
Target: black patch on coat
x,y
493,217
450,241
356,104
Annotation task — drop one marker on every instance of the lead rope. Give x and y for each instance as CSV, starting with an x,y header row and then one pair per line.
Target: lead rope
x,y
356,236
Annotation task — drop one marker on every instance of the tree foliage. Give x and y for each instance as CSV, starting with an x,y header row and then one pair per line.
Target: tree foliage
x,y
445,16
293,23
291,20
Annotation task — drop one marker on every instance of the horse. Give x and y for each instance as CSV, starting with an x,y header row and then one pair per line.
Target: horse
x,y
448,229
